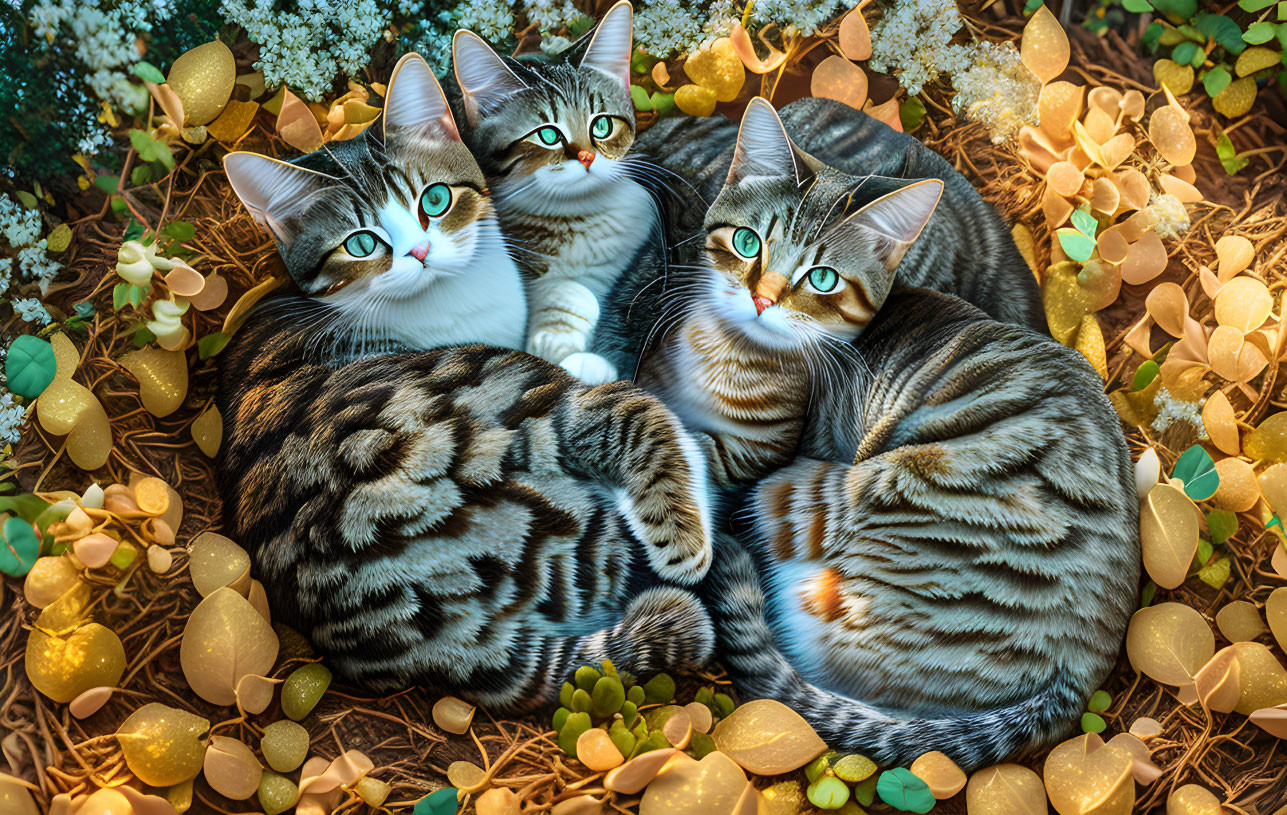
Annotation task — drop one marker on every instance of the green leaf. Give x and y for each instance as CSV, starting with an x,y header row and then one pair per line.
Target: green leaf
x,y
1216,573
1192,33
438,802
143,144
1204,553
1100,701
911,113
142,336
1137,6
137,294
148,72
180,231
26,506
1076,245
141,175
30,366
1282,11
663,103
1216,80
1147,594
1177,9
1255,5
902,790
1223,30
640,97
1153,34
1228,156
1196,469
133,230
1185,52
107,183
1260,32
120,296
28,200
1093,723
1032,5
1085,222
641,62
20,548
1222,524
1145,374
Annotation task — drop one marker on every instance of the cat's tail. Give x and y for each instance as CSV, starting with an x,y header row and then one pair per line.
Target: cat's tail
x,y
759,669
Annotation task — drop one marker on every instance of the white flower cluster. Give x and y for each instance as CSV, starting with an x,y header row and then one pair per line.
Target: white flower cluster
x,y
308,48
32,310
493,20
1172,217
995,88
804,17
21,228
1171,411
550,15
664,28
10,419
103,39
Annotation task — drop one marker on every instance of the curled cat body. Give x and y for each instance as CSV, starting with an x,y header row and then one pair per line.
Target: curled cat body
x,y
553,134
936,544
967,252
426,509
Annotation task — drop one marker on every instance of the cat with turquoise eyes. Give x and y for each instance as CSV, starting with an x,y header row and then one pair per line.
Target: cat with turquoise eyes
x,y
935,530
552,133
426,503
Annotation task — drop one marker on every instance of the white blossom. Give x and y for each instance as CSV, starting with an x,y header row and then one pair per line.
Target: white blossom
x,y
32,310
21,226
11,415
1171,410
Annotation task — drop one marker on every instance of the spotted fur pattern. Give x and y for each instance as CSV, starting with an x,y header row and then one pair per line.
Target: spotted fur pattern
x,y
471,519
951,562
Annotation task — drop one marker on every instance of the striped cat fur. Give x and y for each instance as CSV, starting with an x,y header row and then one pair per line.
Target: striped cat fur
x,y
936,544
471,519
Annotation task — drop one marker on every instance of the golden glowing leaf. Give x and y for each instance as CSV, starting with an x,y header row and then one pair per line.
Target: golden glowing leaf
x,y
216,562
1276,614
1232,357
1239,621
1044,49
297,126
1273,720
686,787
718,69
1233,254
838,78
1090,343
1064,178
1105,198
941,774
1006,789
635,774
225,639
1236,99
1238,491
1068,294
1181,189
766,737
1178,78
1168,535
1256,58
1169,130
1192,800
203,79
1217,682
1169,306
1218,420
855,37
162,377
695,100
1243,303
231,769
1264,681
1145,259
207,431
1169,642
1058,106
63,665
1084,776
163,746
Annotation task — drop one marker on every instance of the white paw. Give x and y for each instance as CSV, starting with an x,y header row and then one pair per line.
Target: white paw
x,y
554,346
591,369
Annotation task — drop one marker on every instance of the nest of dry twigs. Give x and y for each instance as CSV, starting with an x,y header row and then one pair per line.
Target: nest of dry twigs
x,y
61,754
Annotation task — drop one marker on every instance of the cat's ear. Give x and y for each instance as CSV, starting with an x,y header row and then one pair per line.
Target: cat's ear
x,y
415,100
899,217
485,80
272,189
611,44
764,149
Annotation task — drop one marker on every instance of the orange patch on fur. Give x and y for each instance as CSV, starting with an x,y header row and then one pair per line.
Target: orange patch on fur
x,y
822,599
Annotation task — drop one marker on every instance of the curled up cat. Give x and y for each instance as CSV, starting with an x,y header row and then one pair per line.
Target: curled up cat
x,y
935,544
425,503
553,134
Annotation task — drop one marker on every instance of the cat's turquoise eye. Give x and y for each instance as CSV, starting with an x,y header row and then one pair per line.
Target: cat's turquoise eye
x,y
360,244
601,127
435,200
549,135
746,243
823,278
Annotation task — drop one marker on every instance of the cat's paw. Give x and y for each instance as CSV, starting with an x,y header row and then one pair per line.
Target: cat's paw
x,y
591,369
553,345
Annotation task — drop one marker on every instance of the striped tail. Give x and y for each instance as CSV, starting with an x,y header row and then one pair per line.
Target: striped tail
x,y
748,651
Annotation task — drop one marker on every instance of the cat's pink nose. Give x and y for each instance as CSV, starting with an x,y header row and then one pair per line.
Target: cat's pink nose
x,y
761,303
586,157
419,252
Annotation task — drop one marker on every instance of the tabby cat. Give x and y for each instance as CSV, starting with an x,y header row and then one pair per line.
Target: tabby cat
x,y
966,251
950,557
552,134
469,518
